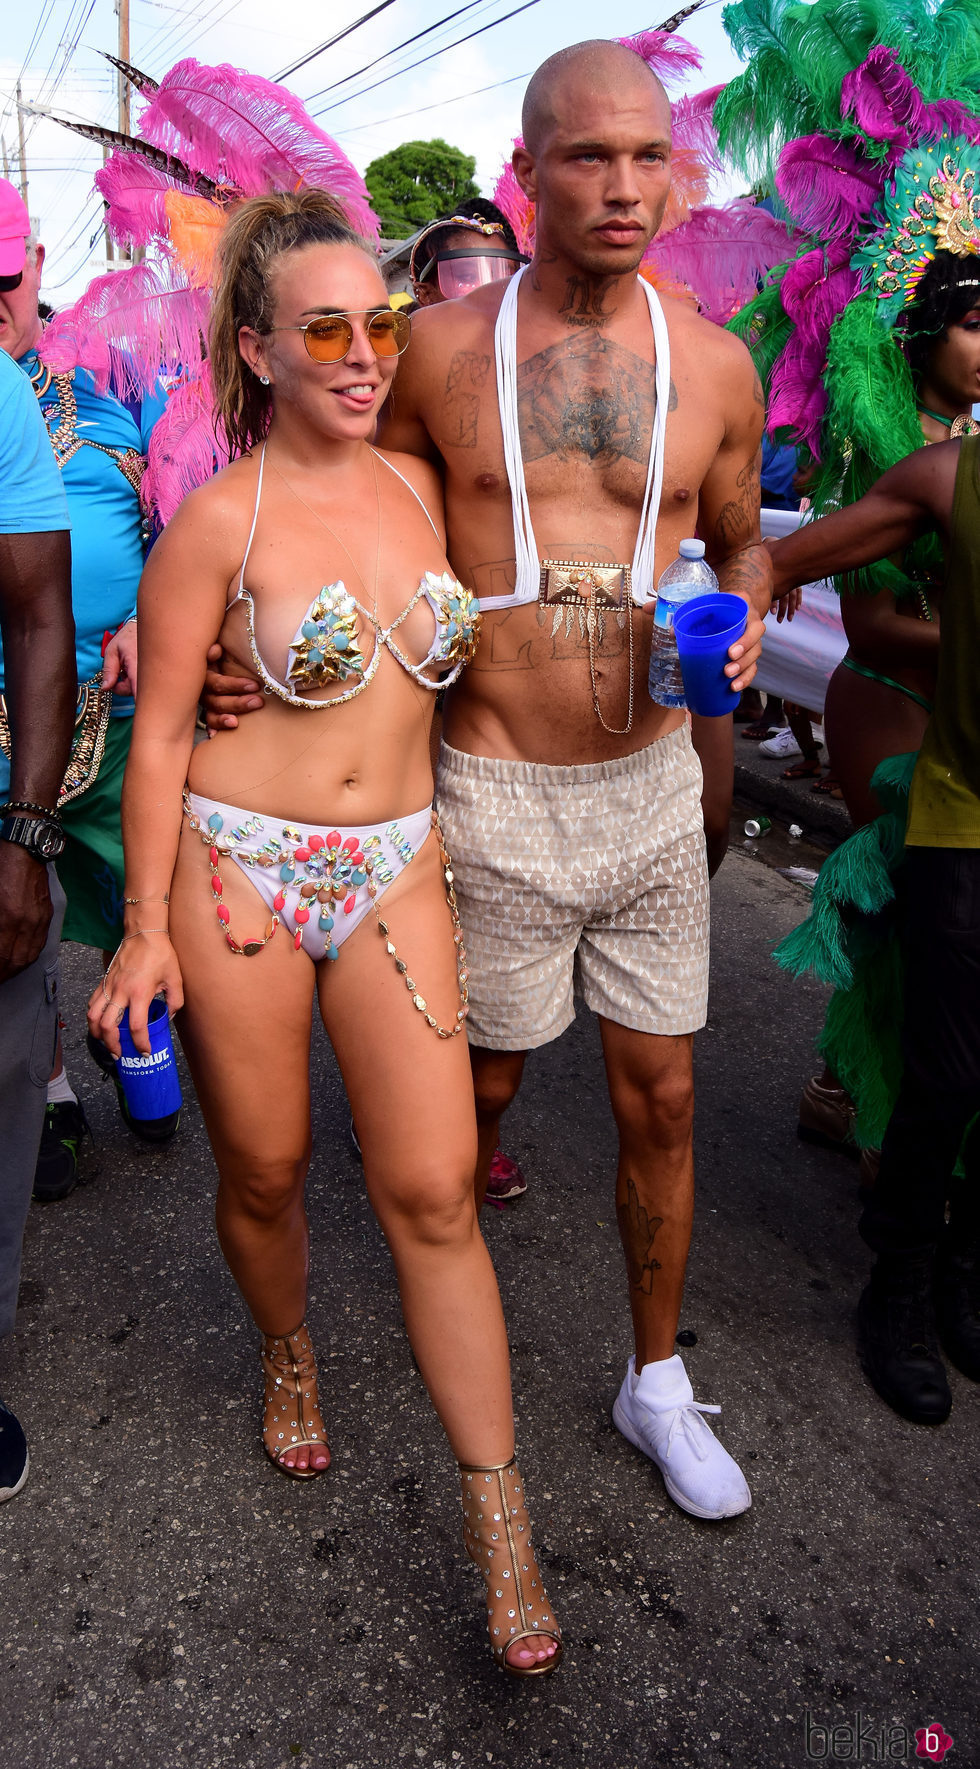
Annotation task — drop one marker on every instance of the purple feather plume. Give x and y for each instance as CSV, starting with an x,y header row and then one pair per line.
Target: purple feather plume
x,y
246,131
722,254
828,186
185,450
668,56
155,321
815,289
797,396
948,114
885,103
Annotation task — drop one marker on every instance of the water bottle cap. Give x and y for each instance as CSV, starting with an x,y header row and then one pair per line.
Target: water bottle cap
x,y
691,549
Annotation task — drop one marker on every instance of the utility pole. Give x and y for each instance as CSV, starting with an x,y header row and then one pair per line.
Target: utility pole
x,y
23,155
122,13
6,162
123,117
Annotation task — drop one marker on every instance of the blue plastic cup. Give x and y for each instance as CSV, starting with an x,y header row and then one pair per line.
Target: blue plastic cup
x,y
704,628
150,1083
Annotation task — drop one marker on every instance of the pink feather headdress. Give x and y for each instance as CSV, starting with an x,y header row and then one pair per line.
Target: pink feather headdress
x,y
208,138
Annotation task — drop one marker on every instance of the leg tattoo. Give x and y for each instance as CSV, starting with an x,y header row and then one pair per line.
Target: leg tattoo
x,y
638,1232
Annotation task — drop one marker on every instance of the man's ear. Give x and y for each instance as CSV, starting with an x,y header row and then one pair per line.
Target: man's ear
x,y
525,172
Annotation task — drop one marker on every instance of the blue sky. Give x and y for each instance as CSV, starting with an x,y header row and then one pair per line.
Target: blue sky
x,y
265,38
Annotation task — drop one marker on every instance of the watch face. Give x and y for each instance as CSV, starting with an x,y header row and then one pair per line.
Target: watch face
x,y
49,840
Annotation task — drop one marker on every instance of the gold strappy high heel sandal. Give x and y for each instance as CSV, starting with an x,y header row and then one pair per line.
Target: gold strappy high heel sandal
x,y
497,1538
292,1407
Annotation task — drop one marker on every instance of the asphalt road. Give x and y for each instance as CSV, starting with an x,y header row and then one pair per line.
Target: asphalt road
x,y
169,1599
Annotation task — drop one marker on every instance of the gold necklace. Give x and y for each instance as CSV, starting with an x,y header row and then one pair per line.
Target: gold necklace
x,y
324,524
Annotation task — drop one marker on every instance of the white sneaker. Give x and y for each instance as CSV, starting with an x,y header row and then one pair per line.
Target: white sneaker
x,y
668,1426
781,747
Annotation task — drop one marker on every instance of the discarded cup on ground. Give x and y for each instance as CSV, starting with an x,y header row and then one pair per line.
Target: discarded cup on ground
x,y
795,831
150,1083
705,627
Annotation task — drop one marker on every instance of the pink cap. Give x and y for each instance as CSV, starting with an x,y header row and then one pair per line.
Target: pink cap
x,y
15,225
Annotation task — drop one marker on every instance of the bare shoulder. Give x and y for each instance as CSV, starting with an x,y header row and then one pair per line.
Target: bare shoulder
x,y
422,476
216,515
705,345
440,332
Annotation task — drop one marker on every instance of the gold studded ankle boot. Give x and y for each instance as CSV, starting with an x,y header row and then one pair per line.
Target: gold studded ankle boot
x,y
292,1407
497,1538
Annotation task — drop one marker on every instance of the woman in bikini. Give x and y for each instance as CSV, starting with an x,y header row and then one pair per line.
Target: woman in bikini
x,y
308,865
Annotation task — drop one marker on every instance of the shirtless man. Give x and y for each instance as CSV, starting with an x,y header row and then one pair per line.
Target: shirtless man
x,y
570,801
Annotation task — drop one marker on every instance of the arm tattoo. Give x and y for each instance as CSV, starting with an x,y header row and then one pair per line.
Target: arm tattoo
x,y
588,397
749,574
757,393
738,517
468,371
672,396
638,1231
584,298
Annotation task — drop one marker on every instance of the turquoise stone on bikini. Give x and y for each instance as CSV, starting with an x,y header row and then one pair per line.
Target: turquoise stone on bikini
x,y
287,872
216,822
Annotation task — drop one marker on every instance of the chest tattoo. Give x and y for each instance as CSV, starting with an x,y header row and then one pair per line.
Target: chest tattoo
x,y
586,397
468,371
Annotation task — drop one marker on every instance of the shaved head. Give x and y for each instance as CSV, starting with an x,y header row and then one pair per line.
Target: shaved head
x,y
554,89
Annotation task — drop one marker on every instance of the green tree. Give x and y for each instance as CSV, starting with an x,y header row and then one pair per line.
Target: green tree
x,y
417,182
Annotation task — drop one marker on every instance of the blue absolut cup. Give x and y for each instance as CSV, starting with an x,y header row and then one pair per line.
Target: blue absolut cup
x,y
150,1083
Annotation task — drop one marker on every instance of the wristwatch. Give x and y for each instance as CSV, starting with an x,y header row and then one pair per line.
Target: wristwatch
x,y
43,837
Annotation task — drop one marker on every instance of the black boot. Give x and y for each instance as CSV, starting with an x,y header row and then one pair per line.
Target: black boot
x,y
957,1293
897,1339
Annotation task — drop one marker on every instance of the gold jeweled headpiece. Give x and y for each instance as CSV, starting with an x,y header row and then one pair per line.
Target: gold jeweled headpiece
x,y
931,206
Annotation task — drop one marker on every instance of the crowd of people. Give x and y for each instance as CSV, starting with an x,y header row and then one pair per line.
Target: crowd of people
x,y
424,508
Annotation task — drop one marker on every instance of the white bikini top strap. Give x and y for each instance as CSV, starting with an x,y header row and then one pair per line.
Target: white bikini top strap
x,y
528,565
251,532
418,500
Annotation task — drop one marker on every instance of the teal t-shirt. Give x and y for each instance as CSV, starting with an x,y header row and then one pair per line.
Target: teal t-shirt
x,y
106,518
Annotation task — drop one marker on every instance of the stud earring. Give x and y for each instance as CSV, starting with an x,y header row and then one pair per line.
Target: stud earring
x,y
265,380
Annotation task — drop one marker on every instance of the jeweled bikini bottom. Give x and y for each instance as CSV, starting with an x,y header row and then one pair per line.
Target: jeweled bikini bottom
x,y
321,882
318,882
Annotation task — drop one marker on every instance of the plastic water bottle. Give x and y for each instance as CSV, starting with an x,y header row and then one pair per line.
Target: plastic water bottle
x,y
688,576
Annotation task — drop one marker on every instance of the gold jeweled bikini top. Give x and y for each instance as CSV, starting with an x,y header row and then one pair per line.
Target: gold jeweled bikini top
x,y
325,647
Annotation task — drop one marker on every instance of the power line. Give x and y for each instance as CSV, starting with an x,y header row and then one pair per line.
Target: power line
x,y
366,69
420,110
295,66
426,58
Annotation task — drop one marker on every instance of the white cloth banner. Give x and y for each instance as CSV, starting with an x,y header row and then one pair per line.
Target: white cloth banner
x,y
800,655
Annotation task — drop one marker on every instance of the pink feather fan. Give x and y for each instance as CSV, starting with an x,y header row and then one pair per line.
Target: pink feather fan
x,y
129,328
722,254
185,448
135,195
668,56
247,132
512,202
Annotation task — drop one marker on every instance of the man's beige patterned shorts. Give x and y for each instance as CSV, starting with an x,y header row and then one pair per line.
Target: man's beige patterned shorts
x,y
586,878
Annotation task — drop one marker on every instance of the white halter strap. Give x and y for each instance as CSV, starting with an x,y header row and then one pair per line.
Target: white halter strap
x,y
528,559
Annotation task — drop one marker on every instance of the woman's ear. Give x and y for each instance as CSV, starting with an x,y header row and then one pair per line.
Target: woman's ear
x,y
252,350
